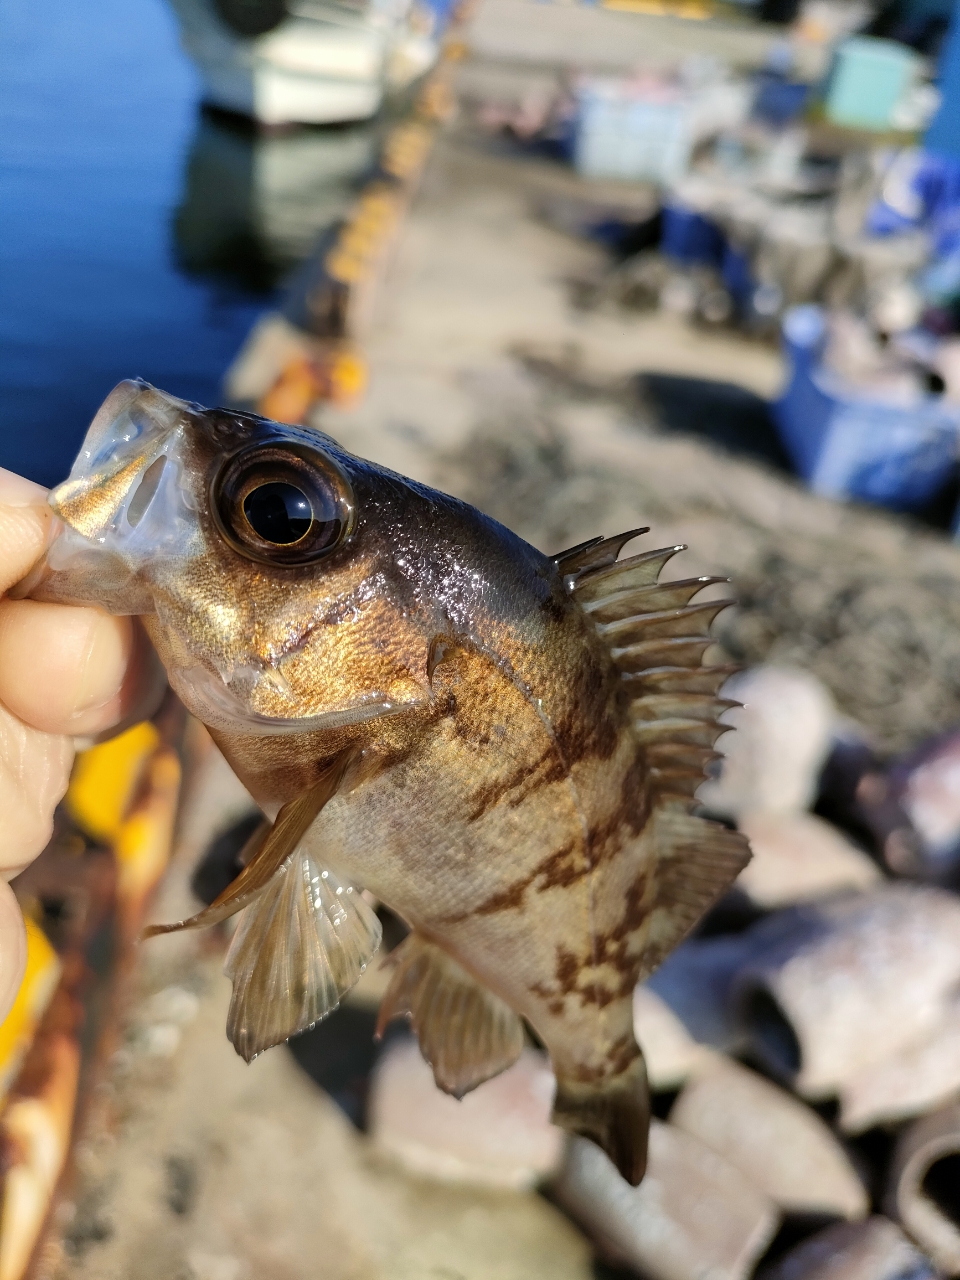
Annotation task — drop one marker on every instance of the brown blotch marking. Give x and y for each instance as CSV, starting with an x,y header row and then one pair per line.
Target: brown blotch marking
x,y
596,993
617,948
557,870
557,605
623,1053
613,950
517,786
620,1056
594,719
506,900
567,969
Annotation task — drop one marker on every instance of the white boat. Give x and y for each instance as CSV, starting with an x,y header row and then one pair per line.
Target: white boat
x,y
305,61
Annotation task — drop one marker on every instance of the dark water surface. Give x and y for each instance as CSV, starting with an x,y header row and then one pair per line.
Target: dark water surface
x,y
98,106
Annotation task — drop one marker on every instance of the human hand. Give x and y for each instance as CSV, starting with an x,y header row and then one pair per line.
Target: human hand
x,y
64,673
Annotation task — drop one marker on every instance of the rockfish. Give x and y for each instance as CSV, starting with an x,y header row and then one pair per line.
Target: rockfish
x,y
500,745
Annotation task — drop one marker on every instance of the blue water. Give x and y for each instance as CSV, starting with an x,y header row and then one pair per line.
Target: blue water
x,y
97,109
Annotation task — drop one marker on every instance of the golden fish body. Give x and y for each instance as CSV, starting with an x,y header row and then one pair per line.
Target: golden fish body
x,y
501,746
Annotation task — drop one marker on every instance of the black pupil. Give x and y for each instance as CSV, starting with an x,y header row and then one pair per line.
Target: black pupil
x,y
279,512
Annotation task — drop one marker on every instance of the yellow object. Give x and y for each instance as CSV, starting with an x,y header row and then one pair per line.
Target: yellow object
x,y
348,377
293,394
39,983
697,10
144,841
338,375
105,779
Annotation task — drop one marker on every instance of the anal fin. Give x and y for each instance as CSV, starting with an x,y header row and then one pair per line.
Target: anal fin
x,y
466,1033
299,947
615,1114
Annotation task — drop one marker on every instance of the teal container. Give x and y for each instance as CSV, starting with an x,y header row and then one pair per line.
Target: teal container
x,y
868,79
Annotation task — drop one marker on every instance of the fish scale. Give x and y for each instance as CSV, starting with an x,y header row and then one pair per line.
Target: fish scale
x,y
501,746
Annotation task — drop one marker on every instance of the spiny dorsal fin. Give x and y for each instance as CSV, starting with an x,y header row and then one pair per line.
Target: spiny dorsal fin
x,y
678,679
466,1033
636,571
299,947
594,553
657,636
624,604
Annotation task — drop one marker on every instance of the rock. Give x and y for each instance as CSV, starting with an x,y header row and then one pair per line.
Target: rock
x,y
780,1144
922,1075
694,1214
923,1188
783,736
498,1135
836,986
696,984
873,1250
798,857
671,1053
925,788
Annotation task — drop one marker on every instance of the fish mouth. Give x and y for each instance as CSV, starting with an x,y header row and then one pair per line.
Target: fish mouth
x,y
122,505
129,460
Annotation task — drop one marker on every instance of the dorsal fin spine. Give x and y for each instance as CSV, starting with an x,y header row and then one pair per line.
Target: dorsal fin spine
x,y
690,620
677,680
636,571
647,599
596,553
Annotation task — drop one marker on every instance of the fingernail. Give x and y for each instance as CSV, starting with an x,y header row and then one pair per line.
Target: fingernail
x,y
17,491
101,671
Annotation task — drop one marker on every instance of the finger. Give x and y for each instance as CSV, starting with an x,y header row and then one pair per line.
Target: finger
x,y
34,772
143,688
64,669
26,523
13,949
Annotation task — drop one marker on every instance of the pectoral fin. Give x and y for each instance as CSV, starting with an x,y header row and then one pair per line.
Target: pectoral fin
x,y
299,947
466,1033
278,842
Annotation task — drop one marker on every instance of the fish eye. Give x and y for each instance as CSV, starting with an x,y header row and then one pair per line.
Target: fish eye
x,y
278,512
282,503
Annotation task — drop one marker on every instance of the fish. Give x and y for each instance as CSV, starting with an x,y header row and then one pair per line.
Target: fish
x,y
500,745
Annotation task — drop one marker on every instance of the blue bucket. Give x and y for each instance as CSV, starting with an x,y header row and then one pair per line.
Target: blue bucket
x,y
846,445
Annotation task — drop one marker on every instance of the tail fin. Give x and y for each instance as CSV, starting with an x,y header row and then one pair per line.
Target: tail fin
x,y
615,1115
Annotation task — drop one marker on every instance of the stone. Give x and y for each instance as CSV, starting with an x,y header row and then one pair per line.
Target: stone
x,y
873,1250
498,1135
835,986
694,1214
783,735
780,1144
923,1190
798,857
922,1075
669,1050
